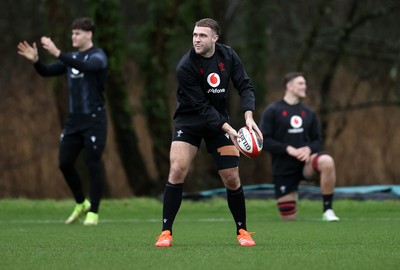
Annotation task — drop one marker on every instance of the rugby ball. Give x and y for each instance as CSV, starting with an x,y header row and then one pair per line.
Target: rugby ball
x,y
250,144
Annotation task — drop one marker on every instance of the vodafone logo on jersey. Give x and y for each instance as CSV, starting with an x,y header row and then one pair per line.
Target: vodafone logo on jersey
x,y
74,71
213,79
75,74
296,122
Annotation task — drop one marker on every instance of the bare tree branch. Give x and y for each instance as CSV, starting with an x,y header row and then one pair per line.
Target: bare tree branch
x,y
313,33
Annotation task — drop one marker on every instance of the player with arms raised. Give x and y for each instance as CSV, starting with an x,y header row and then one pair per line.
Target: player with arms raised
x,y
86,125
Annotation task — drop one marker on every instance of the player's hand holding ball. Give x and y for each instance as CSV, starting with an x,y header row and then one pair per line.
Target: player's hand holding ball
x,y
250,143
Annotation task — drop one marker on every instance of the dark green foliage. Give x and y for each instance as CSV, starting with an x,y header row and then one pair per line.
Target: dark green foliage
x,y
255,51
348,50
110,37
58,23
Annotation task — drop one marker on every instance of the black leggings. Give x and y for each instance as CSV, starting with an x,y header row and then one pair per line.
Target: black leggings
x,y
70,147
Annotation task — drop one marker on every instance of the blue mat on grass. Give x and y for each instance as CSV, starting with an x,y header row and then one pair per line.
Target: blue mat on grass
x,y
266,191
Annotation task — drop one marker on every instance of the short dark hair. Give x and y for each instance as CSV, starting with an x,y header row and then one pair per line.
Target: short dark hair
x,y
208,22
84,23
290,76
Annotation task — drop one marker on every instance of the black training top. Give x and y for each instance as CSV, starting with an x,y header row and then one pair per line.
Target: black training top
x,y
86,72
203,87
283,125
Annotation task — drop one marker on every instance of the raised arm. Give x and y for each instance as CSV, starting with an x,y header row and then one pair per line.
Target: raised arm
x,y
27,51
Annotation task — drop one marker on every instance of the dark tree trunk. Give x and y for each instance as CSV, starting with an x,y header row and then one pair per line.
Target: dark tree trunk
x,y
110,38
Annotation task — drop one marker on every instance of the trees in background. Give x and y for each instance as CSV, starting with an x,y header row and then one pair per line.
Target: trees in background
x,y
110,36
349,51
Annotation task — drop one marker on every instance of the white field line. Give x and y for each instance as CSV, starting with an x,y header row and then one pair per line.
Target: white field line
x,y
55,221
206,220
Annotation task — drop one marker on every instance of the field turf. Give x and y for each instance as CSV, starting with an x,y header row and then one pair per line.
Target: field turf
x,y
33,236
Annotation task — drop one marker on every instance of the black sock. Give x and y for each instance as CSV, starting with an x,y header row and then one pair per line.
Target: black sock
x,y
172,203
94,207
327,201
237,205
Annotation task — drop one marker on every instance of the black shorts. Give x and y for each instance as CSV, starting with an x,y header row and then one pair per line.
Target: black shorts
x,y
86,129
285,184
218,144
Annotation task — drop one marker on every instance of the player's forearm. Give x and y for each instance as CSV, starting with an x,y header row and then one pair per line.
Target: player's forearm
x,y
54,69
248,114
227,128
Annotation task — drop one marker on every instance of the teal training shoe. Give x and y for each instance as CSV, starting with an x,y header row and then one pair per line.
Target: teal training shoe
x,y
79,210
91,219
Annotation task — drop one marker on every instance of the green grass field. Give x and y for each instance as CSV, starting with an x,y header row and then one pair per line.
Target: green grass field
x,y
33,236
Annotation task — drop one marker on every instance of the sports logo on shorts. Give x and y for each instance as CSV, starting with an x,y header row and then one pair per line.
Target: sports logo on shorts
x,y
179,133
213,79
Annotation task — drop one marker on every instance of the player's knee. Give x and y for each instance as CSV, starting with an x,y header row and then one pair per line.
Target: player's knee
x,y
177,173
230,177
94,164
287,210
326,163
